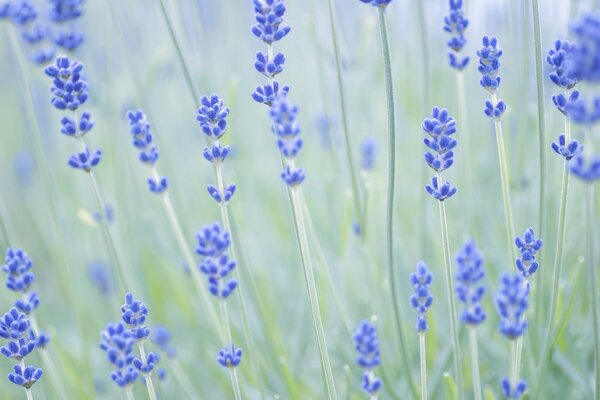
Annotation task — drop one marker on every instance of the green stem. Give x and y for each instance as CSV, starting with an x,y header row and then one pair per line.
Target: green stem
x,y
182,62
450,296
475,363
55,378
514,374
229,342
245,321
591,267
183,380
423,357
518,356
296,203
27,390
129,393
389,84
504,176
541,116
338,67
147,377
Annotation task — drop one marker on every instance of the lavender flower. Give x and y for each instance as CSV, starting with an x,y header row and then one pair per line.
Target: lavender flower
x,y
212,116
528,245
468,289
489,65
64,13
230,357
513,393
568,151
368,152
100,276
161,336
455,23
559,58
421,298
564,104
439,128
512,302
585,64
586,169
287,129
134,314
377,3
143,140
366,344
117,342
25,377
213,243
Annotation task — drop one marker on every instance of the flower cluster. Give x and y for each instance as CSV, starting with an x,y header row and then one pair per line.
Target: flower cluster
x,y
118,341
268,28
588,170
489,65
162,338
213,243
143,140
468,289
17,266
377,3
559,58
366,344
287,129
439,128
585,56
230,357
528,245
421,298
69,91
455,24
64,13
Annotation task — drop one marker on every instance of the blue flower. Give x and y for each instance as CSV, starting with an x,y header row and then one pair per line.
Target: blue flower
x,y
221,198
368,152
100,276
285,125
585,57
161,336
366,344
68,87
269,16
293,176
230,357
266,94
579,111
212,240
440,193
73,129
564,104
117,341
69,40
439,127
159,185
22,12
25,377
512,301
377,3
421,298
5,10
217,153
455,23
19,349
218,269
494,112
588,170
528,245
142,137
489,63
468,290
84,160
17,265
269,66
513,393
147,366
28,303
65,10
559,58
212,116
13,325
133,314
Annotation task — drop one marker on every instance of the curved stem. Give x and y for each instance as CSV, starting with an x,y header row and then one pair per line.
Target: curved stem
x,y
301,235
450,296
591,267
147,377
475,363
423,357
389,233
504,176
541,116
338,67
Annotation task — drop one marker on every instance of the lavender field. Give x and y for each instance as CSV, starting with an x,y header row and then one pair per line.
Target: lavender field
x,y
299,199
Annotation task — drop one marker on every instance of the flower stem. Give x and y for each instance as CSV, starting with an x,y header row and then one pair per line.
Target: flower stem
x,y
541,116
27,390
229,342
389,84
338,67
475,363
188,255
466,141
129,394
183,380
591,267
147,377
423,357
450,296
55,378
504,176
514,374
301,235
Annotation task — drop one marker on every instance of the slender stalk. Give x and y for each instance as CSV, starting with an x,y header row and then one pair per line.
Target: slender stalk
x,y
301,235
591,267
541,116
55,379
129,394
338,67
518,356
187,254
514,374
183,380
389,83
423,357
27,390
450,296
4,236
245,322
229,342
504,176
147,377
475,363
182,62
466,142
